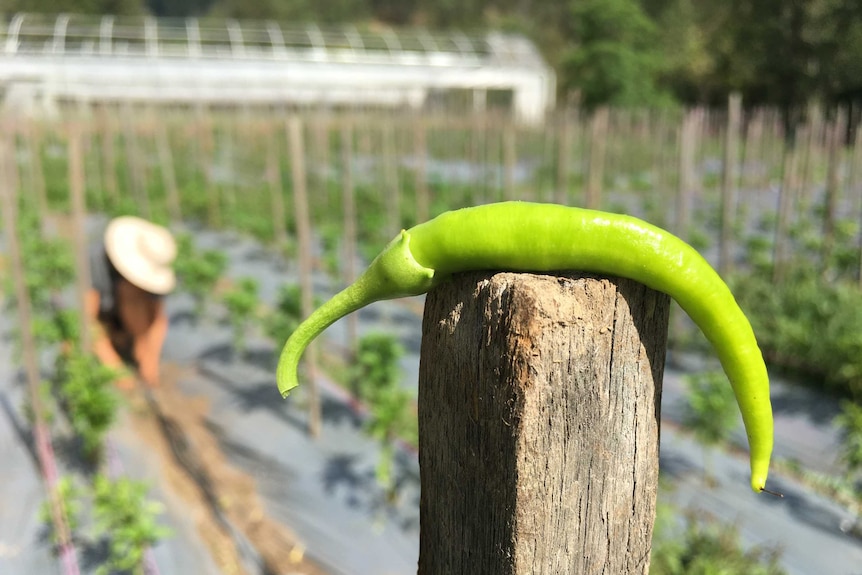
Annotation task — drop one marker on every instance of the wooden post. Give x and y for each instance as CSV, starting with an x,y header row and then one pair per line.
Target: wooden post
x,y
660,131
29,353
206,149
276,191
37,173
135,169
598,144
228,137
392,191
539,410
303,229
729,178
836,132
564,147
854,163
786,201
752,150
79,231
687,147
320,149
420,148
510,158
348,205
109,160
166,168
816,125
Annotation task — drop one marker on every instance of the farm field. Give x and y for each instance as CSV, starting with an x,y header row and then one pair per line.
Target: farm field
x,y
251,483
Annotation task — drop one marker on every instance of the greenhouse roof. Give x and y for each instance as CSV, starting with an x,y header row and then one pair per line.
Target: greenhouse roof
x,y
47,59
67,34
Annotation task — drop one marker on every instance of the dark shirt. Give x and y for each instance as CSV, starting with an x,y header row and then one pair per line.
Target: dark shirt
x,y
104,278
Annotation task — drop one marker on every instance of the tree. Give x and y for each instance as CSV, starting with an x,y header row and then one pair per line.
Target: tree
x,y
689,57
614,59
179,8
298,11
117,7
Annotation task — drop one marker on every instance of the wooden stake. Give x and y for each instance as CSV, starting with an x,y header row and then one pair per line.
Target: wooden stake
x,y
205,156
349,214
29,355
729,182
109,159
420,148
835,134
137,182
598,141
687,148
303,228
392,191
166,167
79,231
786,201
276,191
815,124
510,158
564,152
37,177
539,410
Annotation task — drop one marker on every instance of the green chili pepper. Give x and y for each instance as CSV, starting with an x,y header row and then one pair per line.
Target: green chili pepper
x,y
521,236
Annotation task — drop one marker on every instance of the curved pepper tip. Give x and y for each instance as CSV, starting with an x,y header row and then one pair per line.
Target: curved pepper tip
x,y
393,273
286,378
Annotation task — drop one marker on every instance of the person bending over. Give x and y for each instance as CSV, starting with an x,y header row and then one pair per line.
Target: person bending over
x,y
131,271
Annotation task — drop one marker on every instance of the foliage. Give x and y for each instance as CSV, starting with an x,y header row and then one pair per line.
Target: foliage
x,y
70,497
808,318
378,378
712,411
62,326
48,262
128,520
706,547
808,325
614,59
841,489
320,10
615,51
850,423
331,234
287,314
372,233
85,388
73,6
122,515
46,399
376,366
242,302
197,272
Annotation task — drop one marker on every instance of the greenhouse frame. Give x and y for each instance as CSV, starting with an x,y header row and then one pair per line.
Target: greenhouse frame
x,y
47,60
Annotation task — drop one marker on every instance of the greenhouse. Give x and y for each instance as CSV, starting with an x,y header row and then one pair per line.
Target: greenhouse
x,y
46,60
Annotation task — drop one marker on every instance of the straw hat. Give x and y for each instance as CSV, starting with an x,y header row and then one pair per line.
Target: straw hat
x,y
142,252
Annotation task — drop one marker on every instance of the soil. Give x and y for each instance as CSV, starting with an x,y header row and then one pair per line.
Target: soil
x,y
233,492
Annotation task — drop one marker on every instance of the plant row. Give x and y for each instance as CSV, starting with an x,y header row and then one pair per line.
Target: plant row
x,y
78,393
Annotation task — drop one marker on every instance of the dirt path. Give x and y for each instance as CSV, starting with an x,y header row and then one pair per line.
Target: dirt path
x,y
195,469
